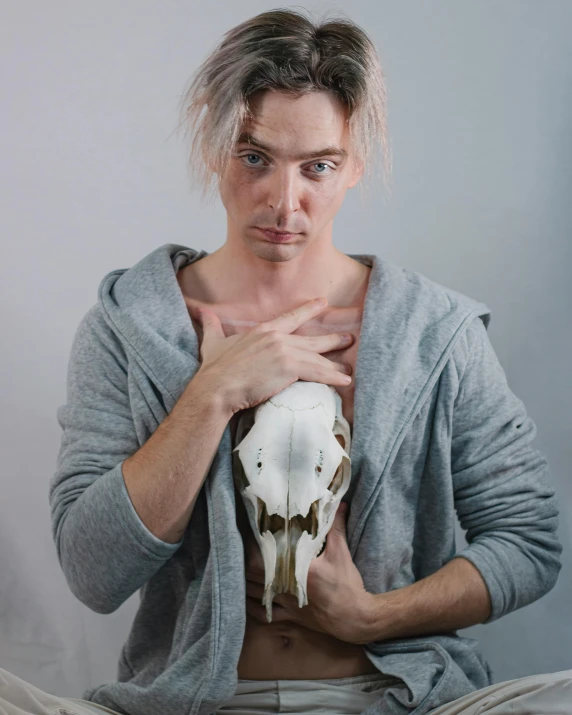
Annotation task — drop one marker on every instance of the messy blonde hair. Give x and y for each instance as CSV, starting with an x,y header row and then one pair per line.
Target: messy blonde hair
x,y
283,50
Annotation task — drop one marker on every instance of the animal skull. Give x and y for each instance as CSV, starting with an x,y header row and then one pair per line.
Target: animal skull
x,y
292,473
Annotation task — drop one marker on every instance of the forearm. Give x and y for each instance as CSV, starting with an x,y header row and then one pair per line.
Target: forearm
x,y
163,478
453,597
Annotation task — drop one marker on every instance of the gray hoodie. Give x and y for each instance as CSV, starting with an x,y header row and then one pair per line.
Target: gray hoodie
x,y
437,433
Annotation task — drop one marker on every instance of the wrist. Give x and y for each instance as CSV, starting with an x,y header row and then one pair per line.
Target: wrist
x,y
371,624
210,397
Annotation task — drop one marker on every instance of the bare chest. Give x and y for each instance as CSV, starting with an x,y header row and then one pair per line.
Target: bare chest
x,y
285,649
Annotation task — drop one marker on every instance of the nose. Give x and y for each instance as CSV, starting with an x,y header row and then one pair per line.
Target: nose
x,y
283,192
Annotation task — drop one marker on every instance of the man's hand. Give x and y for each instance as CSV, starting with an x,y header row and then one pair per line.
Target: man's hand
x,y
336,594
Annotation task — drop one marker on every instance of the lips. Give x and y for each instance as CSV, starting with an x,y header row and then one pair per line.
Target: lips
x,y
276,236
275,230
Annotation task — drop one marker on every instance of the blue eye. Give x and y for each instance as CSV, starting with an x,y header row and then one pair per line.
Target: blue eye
x,y
256,156
327,166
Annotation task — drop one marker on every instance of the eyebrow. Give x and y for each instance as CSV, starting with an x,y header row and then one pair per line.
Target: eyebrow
x,y
246,138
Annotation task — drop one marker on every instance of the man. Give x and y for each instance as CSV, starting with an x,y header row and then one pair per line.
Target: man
x,y
182,342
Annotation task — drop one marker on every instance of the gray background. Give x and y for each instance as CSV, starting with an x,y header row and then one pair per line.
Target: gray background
x,y
93,179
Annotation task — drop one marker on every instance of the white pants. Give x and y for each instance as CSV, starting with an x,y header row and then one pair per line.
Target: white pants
x,y
546,694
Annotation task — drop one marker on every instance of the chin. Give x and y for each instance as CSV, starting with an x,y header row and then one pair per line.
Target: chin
x,y
275,252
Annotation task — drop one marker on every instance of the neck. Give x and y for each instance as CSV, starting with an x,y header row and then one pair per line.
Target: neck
x,y
275,286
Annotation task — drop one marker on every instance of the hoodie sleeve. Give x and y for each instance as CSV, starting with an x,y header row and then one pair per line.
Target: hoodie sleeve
x,y
502,485
103,547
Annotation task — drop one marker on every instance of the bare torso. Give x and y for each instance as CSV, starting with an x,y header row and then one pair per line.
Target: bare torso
x,y
285,649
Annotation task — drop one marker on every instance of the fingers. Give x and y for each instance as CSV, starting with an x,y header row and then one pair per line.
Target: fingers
x,y
210,323
342,367
316,368
322,343
288,322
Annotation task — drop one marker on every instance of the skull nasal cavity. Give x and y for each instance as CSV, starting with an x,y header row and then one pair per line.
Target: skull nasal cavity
x,y
268,522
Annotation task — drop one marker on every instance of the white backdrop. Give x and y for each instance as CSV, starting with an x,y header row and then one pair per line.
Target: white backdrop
x,y
92,179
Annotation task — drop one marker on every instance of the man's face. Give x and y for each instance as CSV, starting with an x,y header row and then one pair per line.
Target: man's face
x,y
291,184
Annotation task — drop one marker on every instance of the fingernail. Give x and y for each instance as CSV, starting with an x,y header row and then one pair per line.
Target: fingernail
x,y
321,301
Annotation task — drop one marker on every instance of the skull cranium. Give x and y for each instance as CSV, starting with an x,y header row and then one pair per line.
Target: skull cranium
x,y
292,473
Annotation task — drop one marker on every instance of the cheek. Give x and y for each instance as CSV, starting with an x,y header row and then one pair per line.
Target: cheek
x,y
338,193
237,192
329,191
328,199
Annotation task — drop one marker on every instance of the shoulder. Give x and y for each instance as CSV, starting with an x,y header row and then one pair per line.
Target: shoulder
x,y
414,290
428,289
94,338
437,305
419,299
473,345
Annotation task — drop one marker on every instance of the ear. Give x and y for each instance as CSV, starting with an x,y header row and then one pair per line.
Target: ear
x,y
356,174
